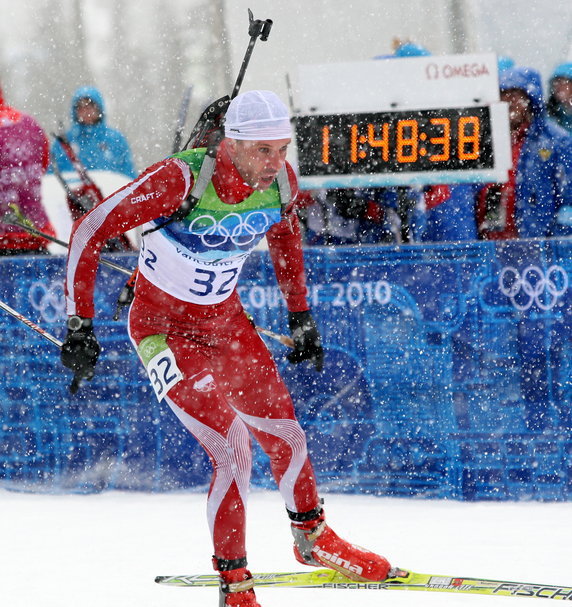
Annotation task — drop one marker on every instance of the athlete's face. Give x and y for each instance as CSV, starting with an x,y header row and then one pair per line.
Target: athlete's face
x,y
258,162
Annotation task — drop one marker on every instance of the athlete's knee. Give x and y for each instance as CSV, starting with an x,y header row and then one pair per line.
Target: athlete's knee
x,y
237,452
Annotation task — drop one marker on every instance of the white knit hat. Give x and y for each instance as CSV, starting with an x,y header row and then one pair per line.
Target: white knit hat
x,y
257,116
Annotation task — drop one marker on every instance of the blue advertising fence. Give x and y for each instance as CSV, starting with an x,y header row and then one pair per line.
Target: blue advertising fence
x,y
447,375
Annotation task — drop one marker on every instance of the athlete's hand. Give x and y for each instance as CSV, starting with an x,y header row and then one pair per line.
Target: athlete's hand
x,y
307,342
80,351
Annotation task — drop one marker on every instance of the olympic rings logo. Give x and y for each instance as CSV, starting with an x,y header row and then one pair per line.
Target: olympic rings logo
x,y
234,227
533,286
49,300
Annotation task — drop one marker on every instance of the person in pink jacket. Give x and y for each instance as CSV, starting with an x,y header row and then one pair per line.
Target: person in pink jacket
x,y
24,158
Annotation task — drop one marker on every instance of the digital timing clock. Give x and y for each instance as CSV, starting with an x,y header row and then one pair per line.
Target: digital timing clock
x,y
392,142
406,122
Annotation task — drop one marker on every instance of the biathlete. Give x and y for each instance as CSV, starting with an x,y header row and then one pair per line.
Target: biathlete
x,y
203,355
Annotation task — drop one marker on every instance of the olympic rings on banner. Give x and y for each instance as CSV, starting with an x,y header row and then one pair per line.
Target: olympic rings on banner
x,y
49,300
234,227
533,286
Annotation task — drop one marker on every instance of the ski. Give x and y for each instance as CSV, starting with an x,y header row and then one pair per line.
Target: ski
x,y
406,580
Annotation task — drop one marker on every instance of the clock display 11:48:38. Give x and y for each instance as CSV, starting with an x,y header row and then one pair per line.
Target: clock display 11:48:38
x,y
424,140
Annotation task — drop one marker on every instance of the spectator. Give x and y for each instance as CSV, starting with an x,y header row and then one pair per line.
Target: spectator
x,y
449,213
391,214
536,201
323,225
99,147
349,217
23,160
560,96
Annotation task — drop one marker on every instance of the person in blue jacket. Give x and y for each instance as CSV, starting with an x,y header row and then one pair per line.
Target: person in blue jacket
x,y
450,213
536,202
559,104
99,146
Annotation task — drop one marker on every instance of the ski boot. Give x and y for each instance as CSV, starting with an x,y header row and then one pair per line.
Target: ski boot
x,y
317,545
236,585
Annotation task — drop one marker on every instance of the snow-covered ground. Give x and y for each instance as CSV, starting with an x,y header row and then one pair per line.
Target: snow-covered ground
x,y
104,550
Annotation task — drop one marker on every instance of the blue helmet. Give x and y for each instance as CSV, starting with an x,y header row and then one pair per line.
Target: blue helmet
x,y
504,62
411,49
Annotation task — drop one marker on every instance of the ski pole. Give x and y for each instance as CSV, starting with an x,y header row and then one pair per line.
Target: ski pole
x,y
76,163
204,133
76,381
283,339
69,192
10,219
256,29
30,324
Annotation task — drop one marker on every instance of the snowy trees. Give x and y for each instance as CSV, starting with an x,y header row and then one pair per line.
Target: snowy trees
x,y
141,56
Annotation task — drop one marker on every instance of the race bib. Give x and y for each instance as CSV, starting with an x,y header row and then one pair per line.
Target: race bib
x,y
160,363
200,281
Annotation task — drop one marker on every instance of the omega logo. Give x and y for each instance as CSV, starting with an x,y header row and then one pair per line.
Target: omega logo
x,y
435,71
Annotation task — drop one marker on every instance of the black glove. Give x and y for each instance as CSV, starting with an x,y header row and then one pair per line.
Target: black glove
x,y
80,351
307,342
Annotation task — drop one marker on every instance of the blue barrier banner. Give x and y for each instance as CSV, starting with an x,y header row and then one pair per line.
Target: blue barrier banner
x,y
447,375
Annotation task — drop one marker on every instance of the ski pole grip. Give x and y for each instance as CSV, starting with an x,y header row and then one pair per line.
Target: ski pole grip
x,y
266,27
258,28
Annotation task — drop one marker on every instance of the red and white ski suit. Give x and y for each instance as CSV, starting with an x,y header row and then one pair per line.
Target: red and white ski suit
x,y
230,386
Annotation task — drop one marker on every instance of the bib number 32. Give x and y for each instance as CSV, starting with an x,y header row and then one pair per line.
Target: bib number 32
x,y
160,363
